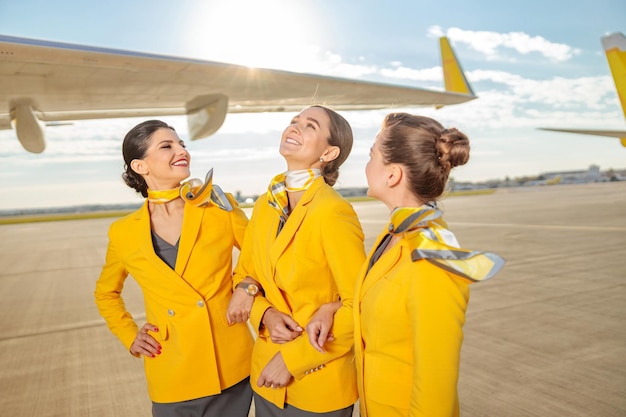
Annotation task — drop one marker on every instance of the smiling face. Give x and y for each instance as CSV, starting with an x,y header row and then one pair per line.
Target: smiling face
x,y
305,140
166,161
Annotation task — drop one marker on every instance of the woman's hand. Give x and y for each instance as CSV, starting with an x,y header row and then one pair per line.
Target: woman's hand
x,y
240,304
239,307
320,325
282,328
275,374
144,343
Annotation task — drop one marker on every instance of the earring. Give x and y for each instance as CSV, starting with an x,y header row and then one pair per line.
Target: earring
x,y
321,159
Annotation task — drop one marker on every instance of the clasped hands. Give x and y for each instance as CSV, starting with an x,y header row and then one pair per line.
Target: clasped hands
x,y
283,328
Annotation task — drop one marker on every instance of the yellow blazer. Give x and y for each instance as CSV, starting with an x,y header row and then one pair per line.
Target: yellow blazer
x,y
201,355
314,260
408,333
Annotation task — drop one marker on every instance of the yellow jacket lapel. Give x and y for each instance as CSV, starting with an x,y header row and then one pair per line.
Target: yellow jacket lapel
x,y
385,263
191,226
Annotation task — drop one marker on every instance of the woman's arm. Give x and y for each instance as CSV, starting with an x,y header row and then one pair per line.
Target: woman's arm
x,y
241,301
109,300
342,247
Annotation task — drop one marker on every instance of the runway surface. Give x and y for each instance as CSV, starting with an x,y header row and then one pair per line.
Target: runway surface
x,y
545,337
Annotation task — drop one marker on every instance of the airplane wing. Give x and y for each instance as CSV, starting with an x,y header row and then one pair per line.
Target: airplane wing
x,y
42,81
615,49
620,134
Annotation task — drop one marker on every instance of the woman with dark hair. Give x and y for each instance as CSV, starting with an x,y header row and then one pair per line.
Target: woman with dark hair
x,y
413,289
304,247
178,247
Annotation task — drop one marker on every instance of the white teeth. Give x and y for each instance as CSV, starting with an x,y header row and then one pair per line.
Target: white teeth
x,y
289,140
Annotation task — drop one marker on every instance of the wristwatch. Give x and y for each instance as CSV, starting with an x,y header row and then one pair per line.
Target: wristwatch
x,y
250,289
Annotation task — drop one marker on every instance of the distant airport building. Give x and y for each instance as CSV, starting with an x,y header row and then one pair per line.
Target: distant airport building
x,y
593,174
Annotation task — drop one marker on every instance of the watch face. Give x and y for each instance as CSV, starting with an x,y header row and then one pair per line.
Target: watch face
x,y
252,289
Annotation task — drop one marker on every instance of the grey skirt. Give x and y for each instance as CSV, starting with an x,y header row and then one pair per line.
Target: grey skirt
x,y
264,408
232,402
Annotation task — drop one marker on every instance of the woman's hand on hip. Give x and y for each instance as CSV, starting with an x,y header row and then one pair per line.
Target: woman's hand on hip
x,y
144,343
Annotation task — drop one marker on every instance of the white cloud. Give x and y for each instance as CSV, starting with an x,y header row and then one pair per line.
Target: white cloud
x,y
560,92
493,44
401,72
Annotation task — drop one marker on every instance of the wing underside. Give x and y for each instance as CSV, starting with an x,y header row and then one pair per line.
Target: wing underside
x,y
49,82
620,134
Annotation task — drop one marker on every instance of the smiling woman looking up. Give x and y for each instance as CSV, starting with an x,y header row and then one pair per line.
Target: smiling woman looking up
x,y
304,246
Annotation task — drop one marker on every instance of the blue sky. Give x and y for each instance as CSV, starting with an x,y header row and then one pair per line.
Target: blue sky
x,y
532,64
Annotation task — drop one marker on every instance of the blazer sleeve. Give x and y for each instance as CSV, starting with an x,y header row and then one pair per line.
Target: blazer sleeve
x,y
245,267
245,262
239,222
109,300
342,242
436,307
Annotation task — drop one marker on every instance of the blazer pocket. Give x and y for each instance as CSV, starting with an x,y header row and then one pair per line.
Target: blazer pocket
x,y
220,310
163,334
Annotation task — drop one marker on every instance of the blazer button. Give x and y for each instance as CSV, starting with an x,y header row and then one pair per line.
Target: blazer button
x,y
200,303
171,312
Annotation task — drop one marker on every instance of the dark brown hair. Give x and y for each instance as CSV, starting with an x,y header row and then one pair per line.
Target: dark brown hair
x,y
426,149
135,145
340,136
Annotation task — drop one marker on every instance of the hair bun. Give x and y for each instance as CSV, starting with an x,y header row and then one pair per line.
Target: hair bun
x,y
453,148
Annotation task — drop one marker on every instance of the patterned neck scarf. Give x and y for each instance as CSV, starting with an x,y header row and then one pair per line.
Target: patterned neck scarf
x,y
290,181
436,244
194,192
163,196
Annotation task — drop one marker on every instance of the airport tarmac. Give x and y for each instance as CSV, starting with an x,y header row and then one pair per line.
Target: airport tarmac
x,y
545,337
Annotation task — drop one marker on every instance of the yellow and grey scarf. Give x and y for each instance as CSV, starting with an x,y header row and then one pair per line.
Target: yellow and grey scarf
x,y
290,181
436,244
194,191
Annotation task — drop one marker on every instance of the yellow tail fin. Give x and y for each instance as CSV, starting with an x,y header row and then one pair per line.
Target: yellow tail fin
x,y
615,50
454,77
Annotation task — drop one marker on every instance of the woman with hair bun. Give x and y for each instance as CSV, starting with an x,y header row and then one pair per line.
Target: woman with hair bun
x,y
412,293
178,248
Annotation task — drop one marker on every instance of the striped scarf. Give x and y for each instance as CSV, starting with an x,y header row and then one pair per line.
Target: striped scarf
x,y
436,244
195,192
290,181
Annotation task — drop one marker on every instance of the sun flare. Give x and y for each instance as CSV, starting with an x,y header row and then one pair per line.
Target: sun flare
x,y
271,34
